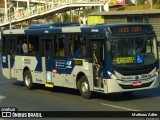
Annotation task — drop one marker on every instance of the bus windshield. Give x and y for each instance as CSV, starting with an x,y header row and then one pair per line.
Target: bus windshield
x,y
133,50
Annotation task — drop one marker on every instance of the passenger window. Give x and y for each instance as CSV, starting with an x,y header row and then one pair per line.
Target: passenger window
x,y
33,45
56,45
20,41
62,45
11,46
67,41
4,46
80,48
47,48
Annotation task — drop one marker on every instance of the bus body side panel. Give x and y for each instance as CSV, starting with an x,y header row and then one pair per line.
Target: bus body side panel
x,y
61,69
37,70
64,71
18,68
84,68
31,63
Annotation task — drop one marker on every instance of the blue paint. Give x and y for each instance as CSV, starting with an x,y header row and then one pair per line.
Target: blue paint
x,y
4,61
43,31
139,59
61,64
49,64
39,64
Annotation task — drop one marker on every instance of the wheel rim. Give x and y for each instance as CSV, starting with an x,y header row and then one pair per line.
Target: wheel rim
x,y
27,80
85,87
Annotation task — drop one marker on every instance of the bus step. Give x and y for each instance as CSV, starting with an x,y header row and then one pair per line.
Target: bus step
x,y
12,78
49,85
98,89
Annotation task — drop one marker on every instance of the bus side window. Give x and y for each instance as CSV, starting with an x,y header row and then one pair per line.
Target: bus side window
x,y
83,43
19,43
68,45
11,44
4,44
61,46
76,51
33,46
77,46
80,48
56,45
19,47
47,48
71,45
89,49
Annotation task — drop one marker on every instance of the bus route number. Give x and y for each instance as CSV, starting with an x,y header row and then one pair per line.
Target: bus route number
x,y
134,29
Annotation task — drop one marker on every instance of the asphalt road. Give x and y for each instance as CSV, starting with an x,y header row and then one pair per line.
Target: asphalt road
x,y
14,94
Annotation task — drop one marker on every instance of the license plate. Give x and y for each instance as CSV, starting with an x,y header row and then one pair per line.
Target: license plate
x,y
137,83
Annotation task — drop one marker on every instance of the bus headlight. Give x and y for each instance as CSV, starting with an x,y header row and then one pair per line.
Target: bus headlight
x,y
112,75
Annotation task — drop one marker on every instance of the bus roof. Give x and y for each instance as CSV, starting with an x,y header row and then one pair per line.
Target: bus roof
x,y
54,24
75,29
127,28
120,24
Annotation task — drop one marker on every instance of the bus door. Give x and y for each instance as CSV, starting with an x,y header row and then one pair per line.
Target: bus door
x,y
47,59
98,57
11,50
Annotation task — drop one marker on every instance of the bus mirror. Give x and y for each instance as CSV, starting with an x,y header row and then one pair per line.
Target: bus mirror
x,y
108,46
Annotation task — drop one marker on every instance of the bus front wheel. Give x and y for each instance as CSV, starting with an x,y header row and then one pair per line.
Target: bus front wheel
x,y
27,78
84,88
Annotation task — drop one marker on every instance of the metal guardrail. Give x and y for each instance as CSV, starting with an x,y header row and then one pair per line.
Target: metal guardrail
x,y
42,9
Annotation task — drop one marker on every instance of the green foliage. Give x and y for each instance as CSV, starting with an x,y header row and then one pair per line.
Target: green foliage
x,y
156,2
142,2
66,17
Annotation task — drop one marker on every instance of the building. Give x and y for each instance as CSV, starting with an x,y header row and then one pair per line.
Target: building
x,y
151,16
2,6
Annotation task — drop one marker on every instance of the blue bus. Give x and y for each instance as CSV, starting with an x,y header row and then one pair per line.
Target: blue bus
x,y
101,58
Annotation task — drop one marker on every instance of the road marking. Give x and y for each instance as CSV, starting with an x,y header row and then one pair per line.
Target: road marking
x,y
118,107
2,97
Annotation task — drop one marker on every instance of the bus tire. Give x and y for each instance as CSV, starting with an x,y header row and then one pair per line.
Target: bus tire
x,y
84,88
27,78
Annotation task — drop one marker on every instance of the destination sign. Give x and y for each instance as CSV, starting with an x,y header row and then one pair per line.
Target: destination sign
x,y
123,60
132,29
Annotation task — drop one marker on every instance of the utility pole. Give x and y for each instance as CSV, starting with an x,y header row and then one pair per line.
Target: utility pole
x,y
151,4
6,13
28,4
9,4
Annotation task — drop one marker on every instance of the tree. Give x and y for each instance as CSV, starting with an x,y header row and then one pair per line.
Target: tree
x,y
157,2
66,17
141,2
